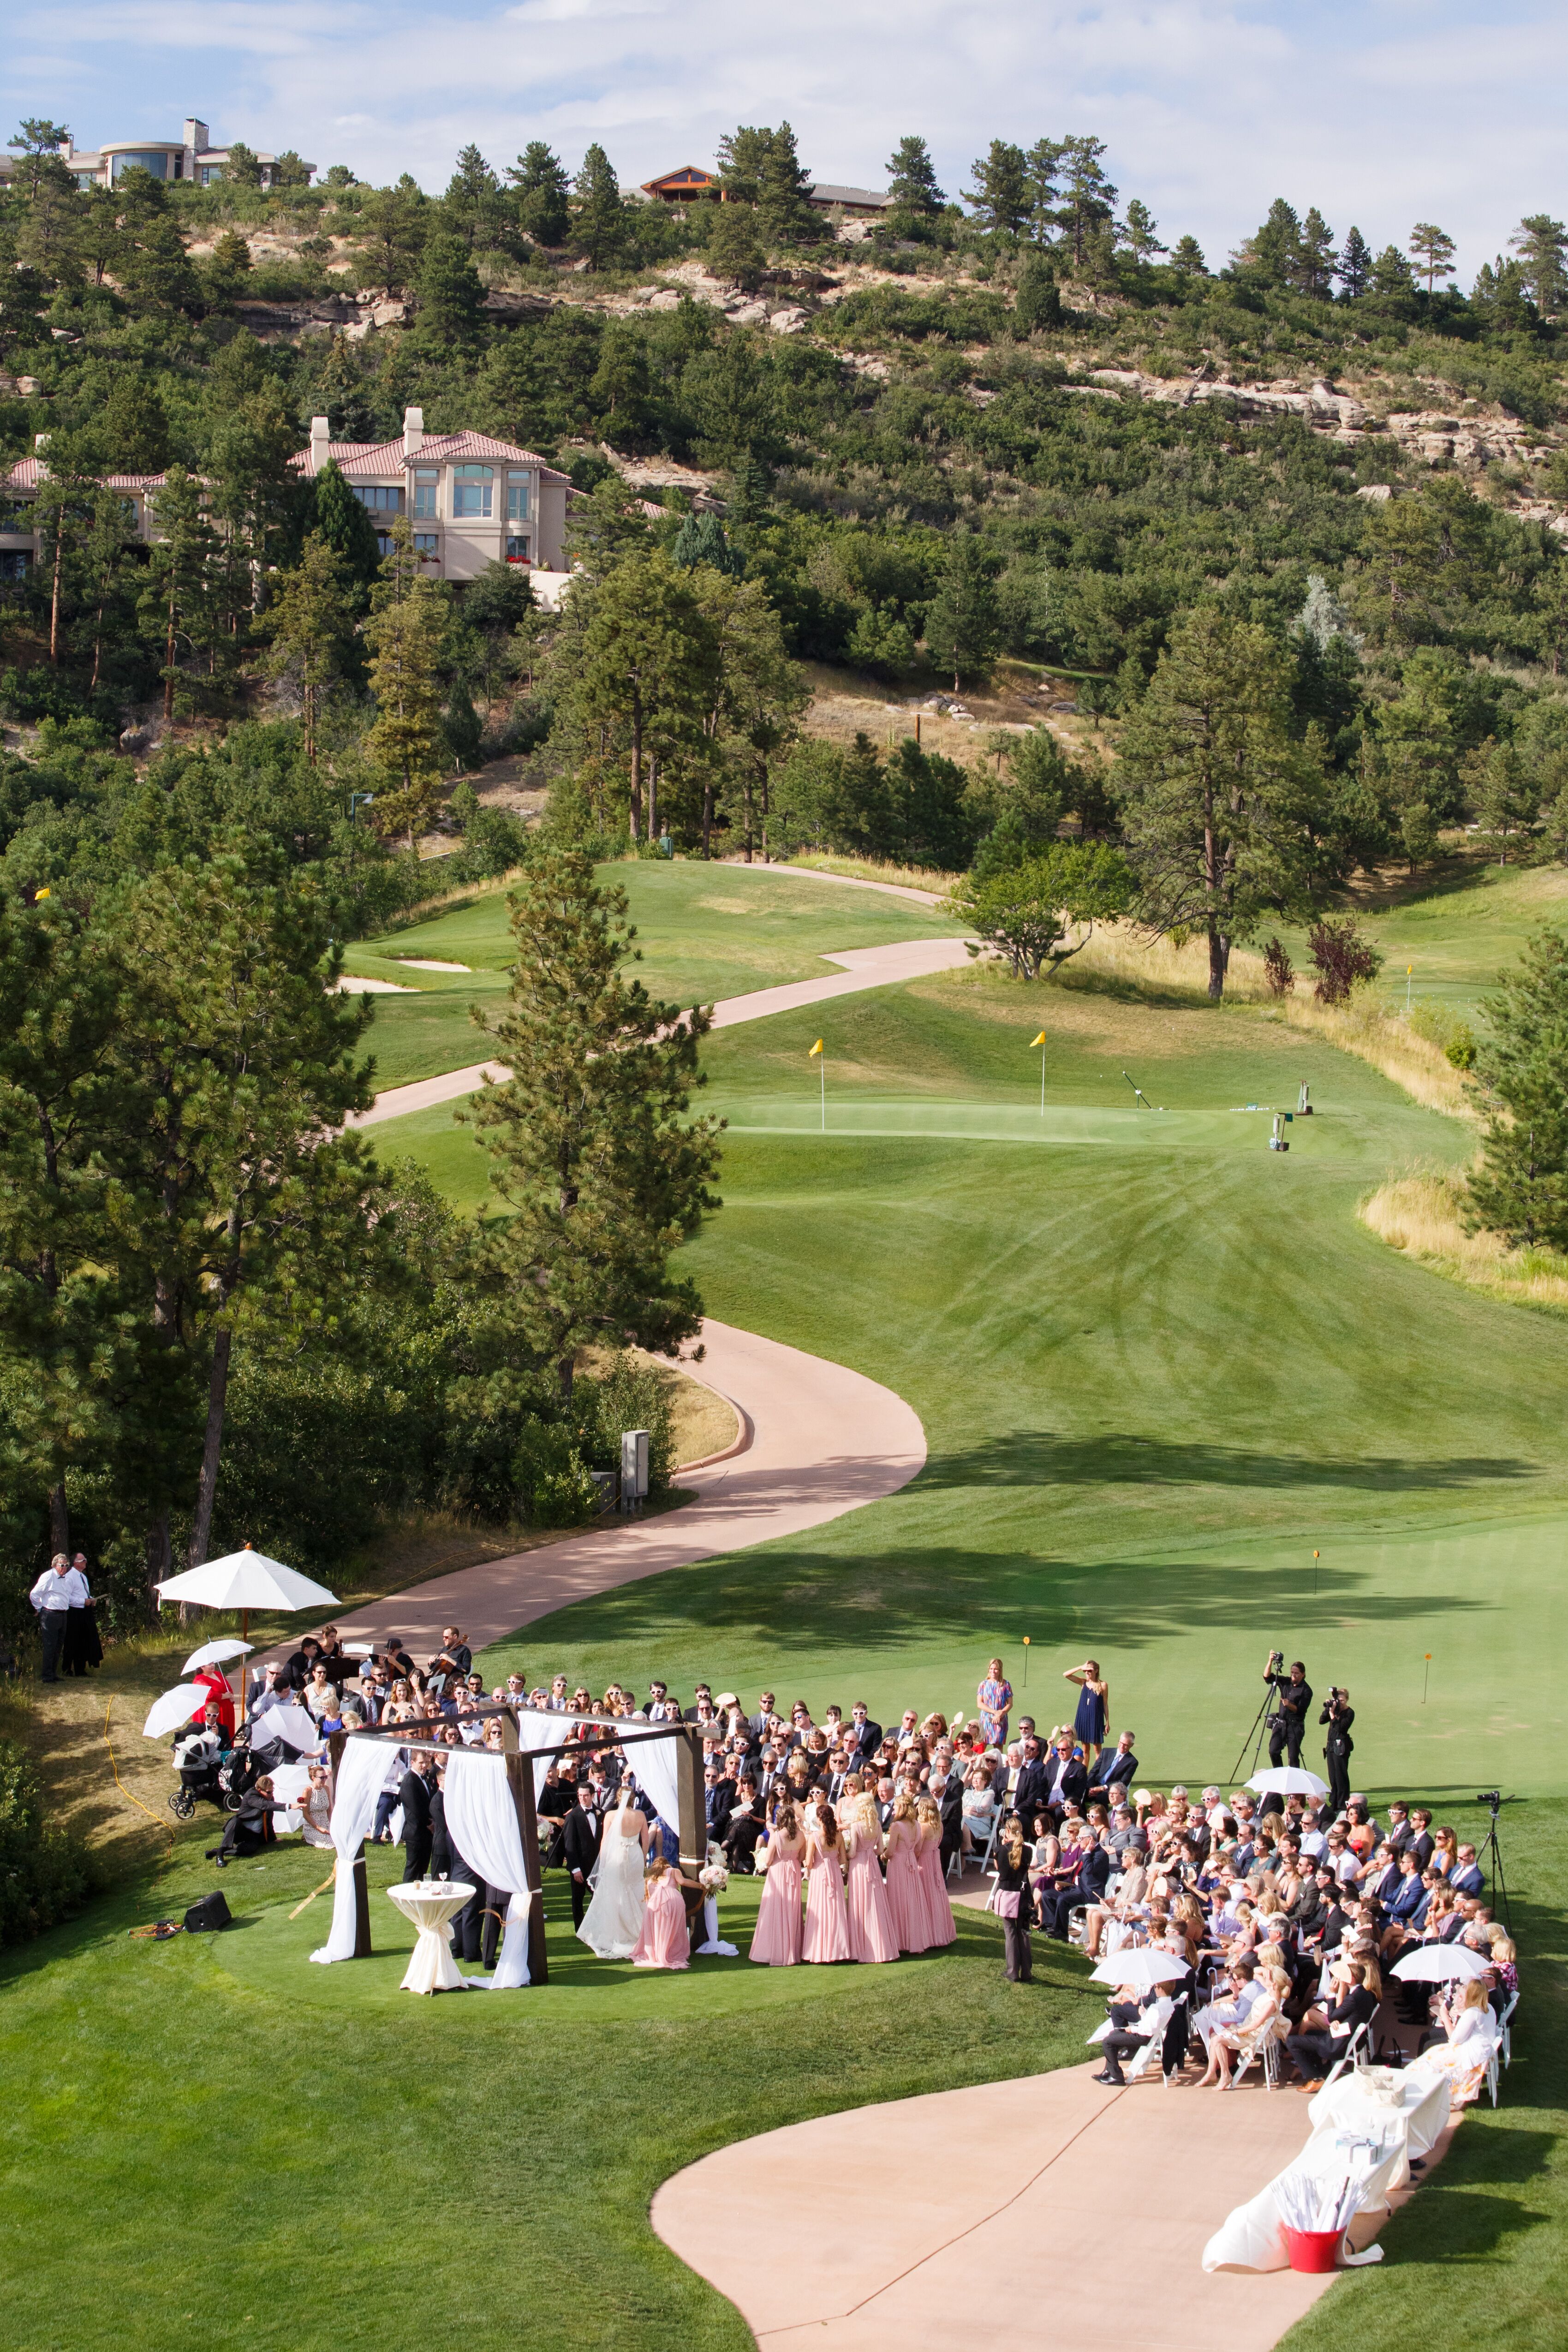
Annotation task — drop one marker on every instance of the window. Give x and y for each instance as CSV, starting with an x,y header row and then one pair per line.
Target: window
x,y
517,550
378,499
384,544
13,562
425,489
210,175
516,498
470,489
156,166
427,546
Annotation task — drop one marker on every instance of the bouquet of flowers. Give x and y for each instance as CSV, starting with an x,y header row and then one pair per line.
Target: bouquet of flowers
x,y
713,1877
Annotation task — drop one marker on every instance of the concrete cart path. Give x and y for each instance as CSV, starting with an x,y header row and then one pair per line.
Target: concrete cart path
x,y
862,968
923,2251
816,1440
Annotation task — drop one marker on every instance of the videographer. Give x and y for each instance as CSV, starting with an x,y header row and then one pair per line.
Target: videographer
x,y
1288,1717
1338,1714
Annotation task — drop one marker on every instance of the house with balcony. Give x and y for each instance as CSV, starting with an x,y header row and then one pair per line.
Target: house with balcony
x,y
472,500
20,542
192,156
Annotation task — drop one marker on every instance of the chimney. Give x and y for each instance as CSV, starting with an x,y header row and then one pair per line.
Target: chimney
x,y
412,432
40,442
197,137
320,443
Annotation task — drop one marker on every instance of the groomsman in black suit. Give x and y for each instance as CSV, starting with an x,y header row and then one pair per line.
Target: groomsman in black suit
x,y
1031,1792
862,1736
414,1793
580,1836
1067,1778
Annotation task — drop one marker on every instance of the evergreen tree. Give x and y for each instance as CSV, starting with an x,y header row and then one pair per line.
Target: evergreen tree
x,y
1023,907
310,619
1087,198
600,1173
912,178
735,250
1044,172
701,539
174,604
38,141
1521,1190
544,188
598,213
450,293
1392,276
1142,233
1039,299
1217,801
1355,272
640,673
229,267
1432,253
963,623
393,225
462,726
1503,800
784,217
1186,258
1272,253
243,168
1316,260
404,633
344,523
1002,198
474,208
741,156
1542,245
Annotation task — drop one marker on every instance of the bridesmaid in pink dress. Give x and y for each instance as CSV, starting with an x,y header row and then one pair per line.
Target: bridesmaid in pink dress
x,y
826,1933
905,1900
871,1935
940,1929
663,1942
776,1939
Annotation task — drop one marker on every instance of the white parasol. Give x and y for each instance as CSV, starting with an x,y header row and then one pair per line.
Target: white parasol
x,y
1440,1964
1144,1966
216,1654
245,1581
1289,1781
181,1704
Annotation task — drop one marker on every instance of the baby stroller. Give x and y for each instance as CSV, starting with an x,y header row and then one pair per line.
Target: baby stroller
x,y
203,1772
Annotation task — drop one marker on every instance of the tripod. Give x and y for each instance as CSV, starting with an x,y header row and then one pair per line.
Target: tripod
x,y
1259,1725
1490,1857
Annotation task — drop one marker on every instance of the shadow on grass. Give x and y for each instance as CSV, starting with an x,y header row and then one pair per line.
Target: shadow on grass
x,y
1029,1457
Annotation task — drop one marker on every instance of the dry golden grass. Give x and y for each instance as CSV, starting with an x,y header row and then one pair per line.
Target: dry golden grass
x,y
705,1421
1384,1038
929,879
1421,1213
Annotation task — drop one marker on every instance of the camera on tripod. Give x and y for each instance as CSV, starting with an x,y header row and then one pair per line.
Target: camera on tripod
x,y
1490,1797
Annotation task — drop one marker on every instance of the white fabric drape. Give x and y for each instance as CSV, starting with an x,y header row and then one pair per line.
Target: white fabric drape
x,y
359,1778
654,1768
536,1731
481,1816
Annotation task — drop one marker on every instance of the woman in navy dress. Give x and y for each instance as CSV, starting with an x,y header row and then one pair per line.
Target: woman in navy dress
x,y
1092,1720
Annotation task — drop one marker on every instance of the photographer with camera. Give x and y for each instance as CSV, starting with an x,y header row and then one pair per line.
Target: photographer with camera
x,y
1338,1714
1288,1717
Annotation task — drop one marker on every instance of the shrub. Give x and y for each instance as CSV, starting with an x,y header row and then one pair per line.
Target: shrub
x,y
45,1874
1279,972
1343,959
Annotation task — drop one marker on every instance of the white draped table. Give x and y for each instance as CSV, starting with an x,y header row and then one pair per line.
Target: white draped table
x,y
431,1904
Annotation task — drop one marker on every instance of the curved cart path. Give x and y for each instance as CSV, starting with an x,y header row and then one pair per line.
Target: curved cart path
x,y
921,2252
816,1440
862,968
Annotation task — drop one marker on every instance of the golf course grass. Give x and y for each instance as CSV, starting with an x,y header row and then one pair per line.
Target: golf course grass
x,y
1159,1367
1456,933
705,932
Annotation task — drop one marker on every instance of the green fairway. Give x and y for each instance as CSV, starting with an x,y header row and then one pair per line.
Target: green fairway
x,y
706,932
1459,934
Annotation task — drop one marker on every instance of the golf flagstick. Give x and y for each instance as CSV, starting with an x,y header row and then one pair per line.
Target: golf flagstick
x,y
1039,1041
820,1060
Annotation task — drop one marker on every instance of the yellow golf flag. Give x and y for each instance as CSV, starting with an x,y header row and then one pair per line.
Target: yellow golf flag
x,y
816,1049
40,894
1037,1041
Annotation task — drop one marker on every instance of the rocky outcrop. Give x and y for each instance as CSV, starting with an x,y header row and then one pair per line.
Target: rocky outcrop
x,y
1319,403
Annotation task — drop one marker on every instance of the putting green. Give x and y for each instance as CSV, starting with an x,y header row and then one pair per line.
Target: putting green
x,y
1245,1129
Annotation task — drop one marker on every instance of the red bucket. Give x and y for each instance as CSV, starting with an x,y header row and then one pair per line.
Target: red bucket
x,y
1314,2250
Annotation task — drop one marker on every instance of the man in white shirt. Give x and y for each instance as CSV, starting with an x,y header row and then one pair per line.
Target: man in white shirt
x,y
60,1587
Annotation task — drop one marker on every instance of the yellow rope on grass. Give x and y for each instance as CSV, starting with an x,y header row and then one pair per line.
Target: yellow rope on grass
x,y
125,1792
313,1893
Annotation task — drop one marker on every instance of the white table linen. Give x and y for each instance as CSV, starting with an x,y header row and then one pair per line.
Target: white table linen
x,y
431,1904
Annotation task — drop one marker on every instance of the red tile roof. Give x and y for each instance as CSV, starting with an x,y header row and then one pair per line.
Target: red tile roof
x,y
28,472
363,459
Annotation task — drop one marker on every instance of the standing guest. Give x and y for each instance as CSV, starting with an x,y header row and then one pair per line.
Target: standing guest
x,y
579,1847
1011,1898
316,1807
994,1698
871,1935
83,1649
414,1793
61,1589
776,1938
940,1929
904,1897
1092,1720
826,1935
664,1941
1338,1714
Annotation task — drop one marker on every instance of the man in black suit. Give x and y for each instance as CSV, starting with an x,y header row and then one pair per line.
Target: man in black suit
x,y
1313,2052
580,1838
718,1798
757,1724
743,1826
862,1736
1067,1778
1089,1887
1114,1767
1031,1789
946,1793
417,1788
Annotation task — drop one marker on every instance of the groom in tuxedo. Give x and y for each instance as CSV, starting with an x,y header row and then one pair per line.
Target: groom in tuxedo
x,y
580,1839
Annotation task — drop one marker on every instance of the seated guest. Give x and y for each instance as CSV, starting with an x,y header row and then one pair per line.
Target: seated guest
x,y
1068,1781
743,1826
1326,2032
1114,1767
1466,1878
1087,1887
1462,2041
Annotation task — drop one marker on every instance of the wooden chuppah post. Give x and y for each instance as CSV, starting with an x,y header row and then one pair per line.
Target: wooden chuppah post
x,y
336,1743
520,1781
692,1825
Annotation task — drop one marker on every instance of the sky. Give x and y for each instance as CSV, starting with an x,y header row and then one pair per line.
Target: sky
x,y
1382,112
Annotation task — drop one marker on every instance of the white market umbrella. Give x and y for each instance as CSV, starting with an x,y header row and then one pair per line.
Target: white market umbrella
x,y
1440,1964
1289,1781
245,1581
285,1721
216,1654
1143,1967
179,1705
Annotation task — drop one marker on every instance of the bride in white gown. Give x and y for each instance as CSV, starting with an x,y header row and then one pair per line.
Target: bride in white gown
x,y
614,1920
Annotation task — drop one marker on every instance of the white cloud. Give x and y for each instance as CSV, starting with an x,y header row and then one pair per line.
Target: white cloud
x,y
1382,112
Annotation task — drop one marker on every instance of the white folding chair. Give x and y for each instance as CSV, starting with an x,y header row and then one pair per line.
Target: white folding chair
x,y
1505,2036
1264,2046
1156,2020
1352,2049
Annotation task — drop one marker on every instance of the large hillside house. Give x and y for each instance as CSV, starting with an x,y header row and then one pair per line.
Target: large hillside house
x,y
192,156
471,501
689,183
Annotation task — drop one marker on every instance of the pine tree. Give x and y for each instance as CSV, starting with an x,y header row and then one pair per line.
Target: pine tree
x,y
1187,259
1316,260
544,188
451,295
912,177
1141,233
1001,199
784,217
1039,300
963,624
1542,245
394,226
1217,801
404,634
1271,254
311,622
1087,198
735,250
174,604
600,1172
639,672
1043,171
1432,253
1504,801
1355,272
345,524
598,213
1521,1190
474,207
38,141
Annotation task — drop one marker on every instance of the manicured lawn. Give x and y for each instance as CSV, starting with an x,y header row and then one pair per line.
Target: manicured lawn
x,y
1460,933
705,931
